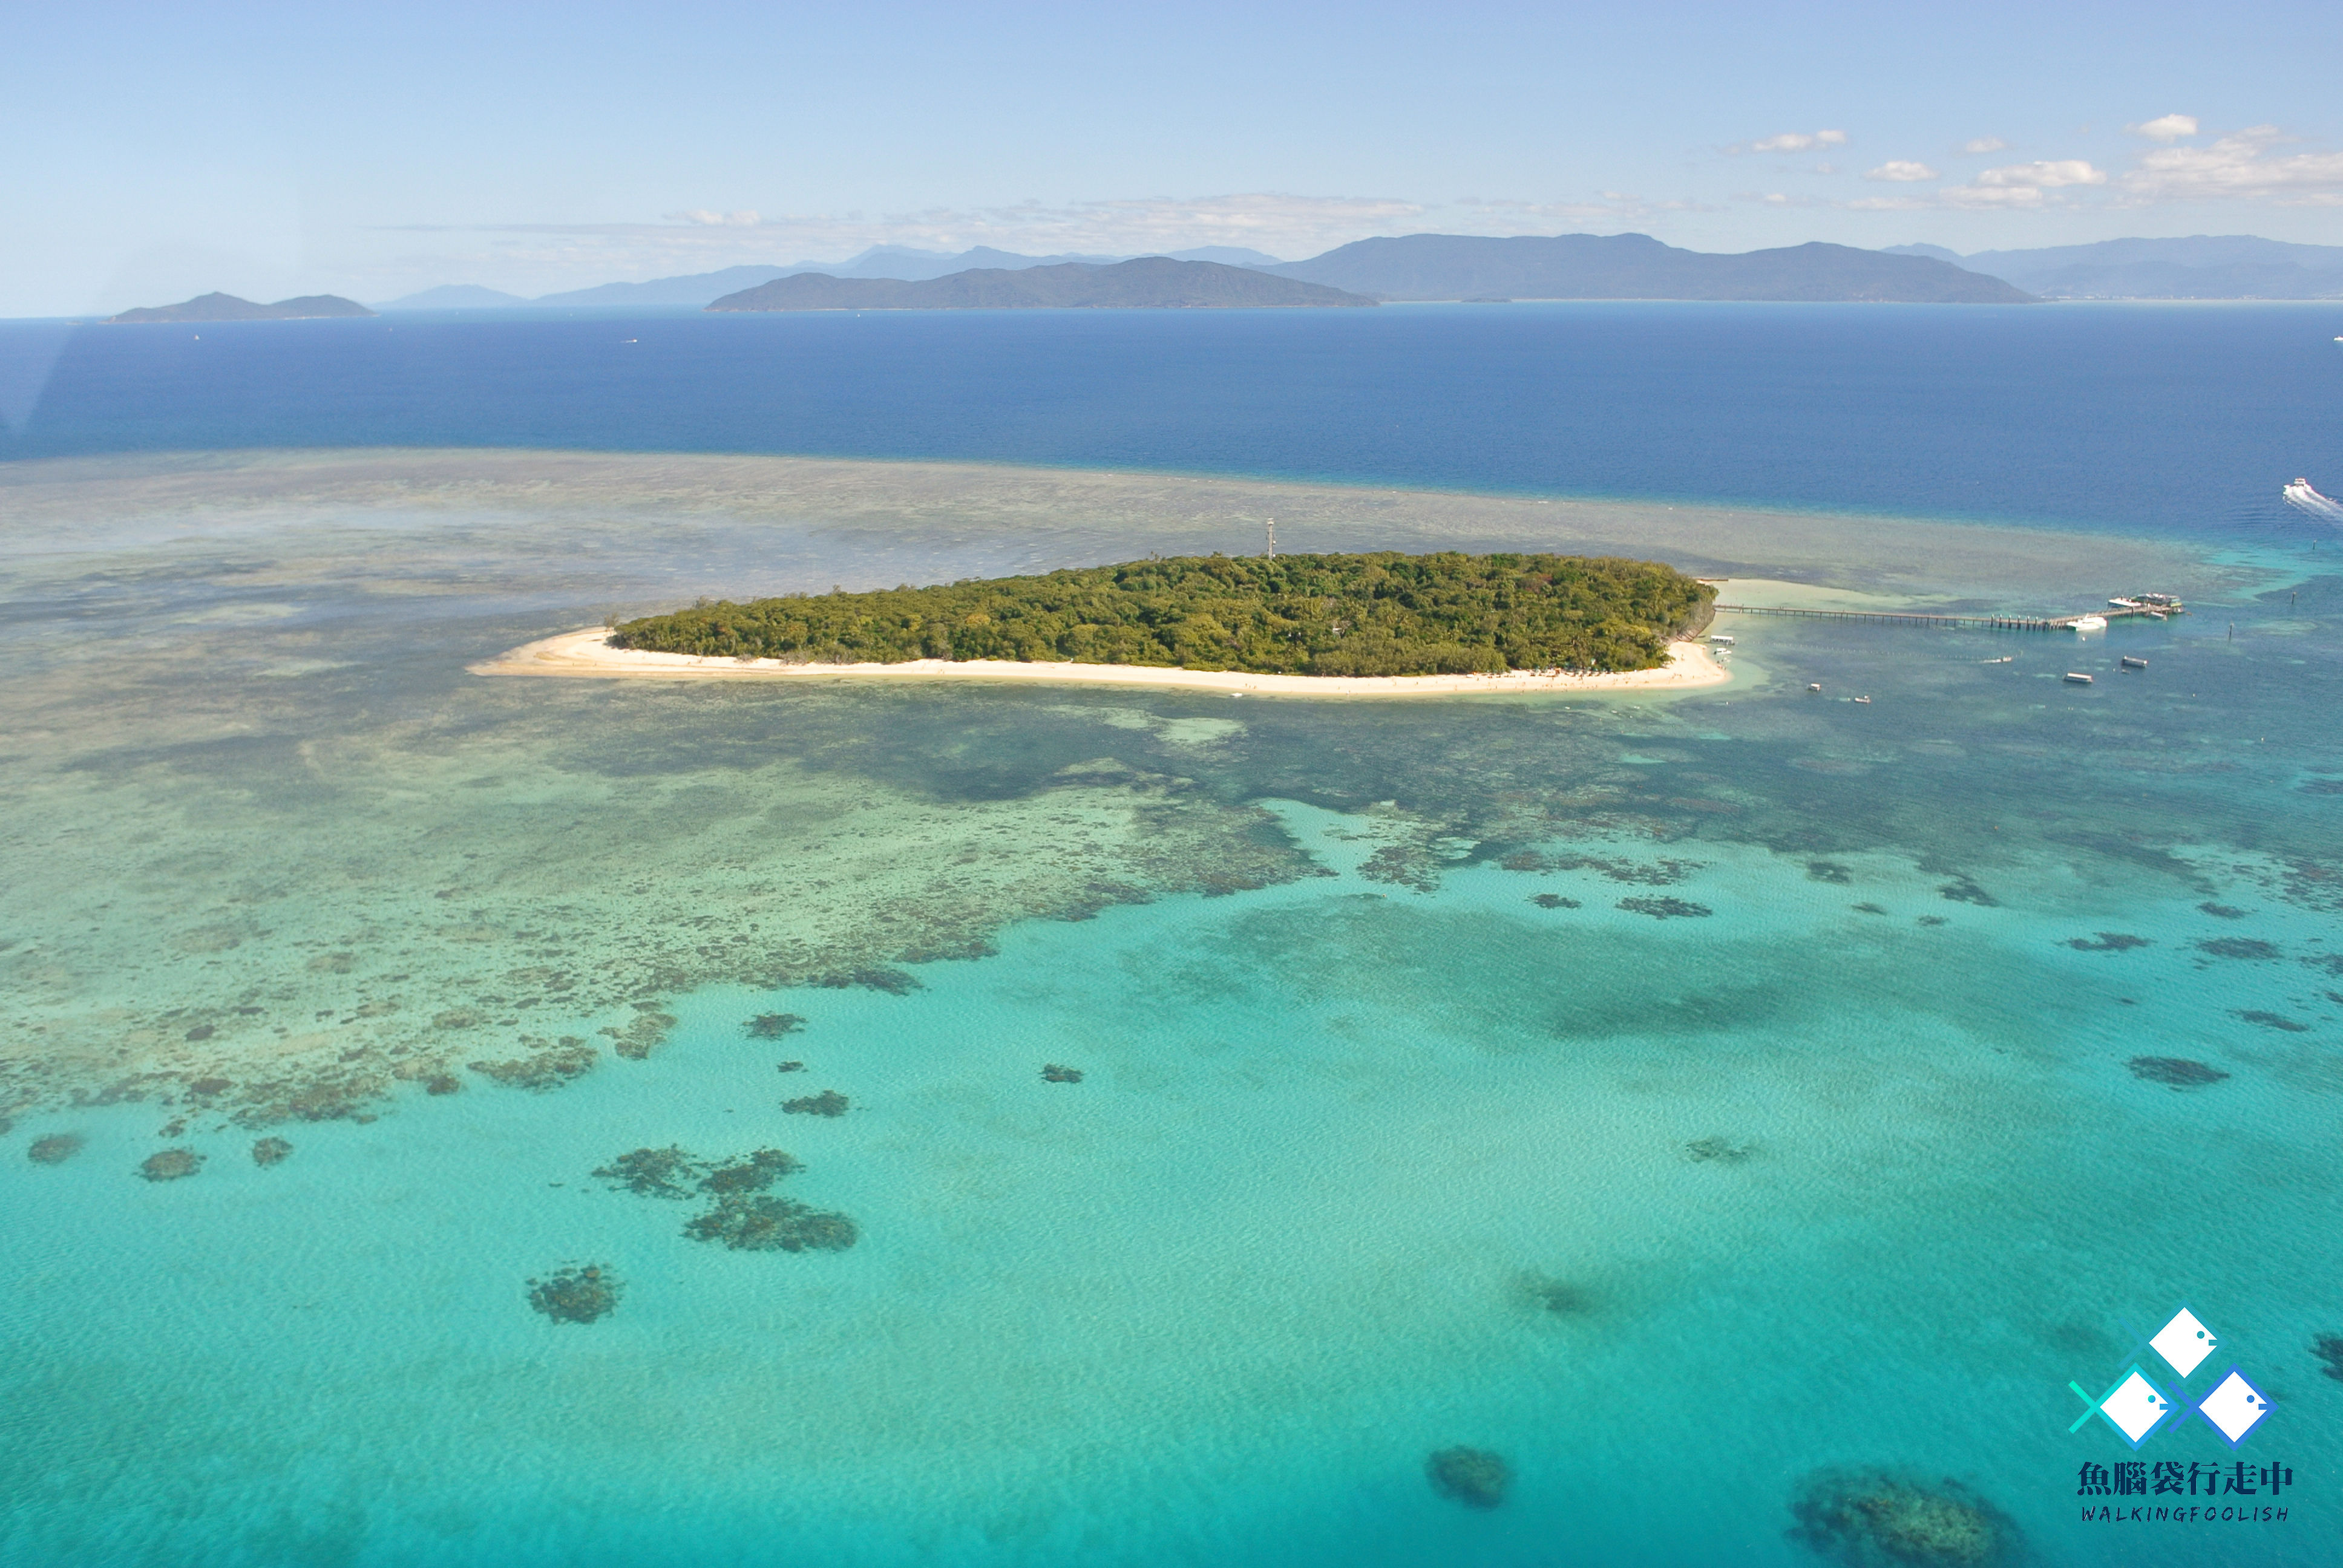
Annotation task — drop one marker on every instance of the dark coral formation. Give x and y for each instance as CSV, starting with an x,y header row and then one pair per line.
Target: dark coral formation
x,y
270,1151
1868,908
1828,871
750,1173
544,1067
1054,1073
443,1083
1962,890
2239,948
893,981
2107,942
2176,1071
205,1087
645,1033
1666,909
1722,1150
577,1294
171,1165
1869,1519
1554,901
791,1067
2328,1349
1933,921
767,1224
828,1102
774,1025
2272,1020
1473,1476
54,1149
652,1172
2224,911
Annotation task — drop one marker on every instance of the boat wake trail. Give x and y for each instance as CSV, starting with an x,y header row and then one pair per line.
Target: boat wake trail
x,y
2301,495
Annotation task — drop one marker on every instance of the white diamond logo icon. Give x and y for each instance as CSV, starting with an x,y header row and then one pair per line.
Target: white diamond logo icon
x,y
2184,1342
2236,1407
2135,1407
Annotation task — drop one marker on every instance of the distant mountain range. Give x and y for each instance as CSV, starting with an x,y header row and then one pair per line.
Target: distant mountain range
x,y
1636,266
228,308
887,261
2201,266
1153,282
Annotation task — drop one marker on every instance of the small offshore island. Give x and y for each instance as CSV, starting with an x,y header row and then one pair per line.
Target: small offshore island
x,y
1351,625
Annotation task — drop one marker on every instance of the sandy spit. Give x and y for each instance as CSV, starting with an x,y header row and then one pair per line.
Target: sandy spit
x,y
588,654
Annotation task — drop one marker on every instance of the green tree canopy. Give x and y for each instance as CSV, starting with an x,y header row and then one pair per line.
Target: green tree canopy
x,y
1335,615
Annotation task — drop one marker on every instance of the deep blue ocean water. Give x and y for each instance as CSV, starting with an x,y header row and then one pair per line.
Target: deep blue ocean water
x,y
1716,1105
2172,418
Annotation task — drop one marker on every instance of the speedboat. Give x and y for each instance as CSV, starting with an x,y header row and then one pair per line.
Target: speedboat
x,y
2088,623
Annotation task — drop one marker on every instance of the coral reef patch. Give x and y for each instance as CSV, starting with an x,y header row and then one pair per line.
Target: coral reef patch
x,y
828,1102
1828,871
1554,901
1054,1073
2239,948
1472,1476
270,1151
2328,1349
774,1025
751,1172
893,981
1543,1293
2107,942
2175,1071
2272,1020
171,1165
666,1172
543,1067
645,1033
579,1294
768,1224
1666,909
1722,1150
54,1149
1963,890
1869,1519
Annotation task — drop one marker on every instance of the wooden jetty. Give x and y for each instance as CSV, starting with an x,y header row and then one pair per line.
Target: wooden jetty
x,y
2157,607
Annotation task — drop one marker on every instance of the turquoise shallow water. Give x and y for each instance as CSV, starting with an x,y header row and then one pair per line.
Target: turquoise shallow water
x,y
1374,1153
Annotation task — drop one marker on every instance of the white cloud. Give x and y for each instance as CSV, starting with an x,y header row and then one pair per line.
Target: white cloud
x,y
2047,175
2239,165
704,218
1793,142
1902,170
2166,127
1983,145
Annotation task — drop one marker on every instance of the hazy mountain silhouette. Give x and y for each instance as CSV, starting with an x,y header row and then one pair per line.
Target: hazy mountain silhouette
x,y
1636,266
1147,282
2200,267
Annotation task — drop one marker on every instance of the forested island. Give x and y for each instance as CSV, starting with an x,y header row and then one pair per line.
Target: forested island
x,y
228,308
1382,614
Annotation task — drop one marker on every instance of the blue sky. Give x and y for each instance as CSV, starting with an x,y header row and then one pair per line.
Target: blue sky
x,y
370,150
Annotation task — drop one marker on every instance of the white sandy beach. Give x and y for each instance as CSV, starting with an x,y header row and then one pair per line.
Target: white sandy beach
x,y
588,654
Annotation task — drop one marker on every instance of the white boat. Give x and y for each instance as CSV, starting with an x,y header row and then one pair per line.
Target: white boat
x,y
2075,678
2088,623
2123,604
1716,641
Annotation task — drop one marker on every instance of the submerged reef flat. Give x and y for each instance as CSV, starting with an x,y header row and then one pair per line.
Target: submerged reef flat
x,y
577,1294
1057,1072
54,1149
271,1151
2328,1349
1473,1476
1666,909
774,1025
666,1172
1872,1518
828,1102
